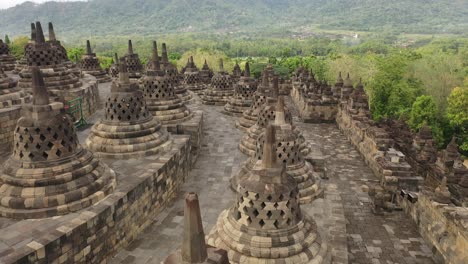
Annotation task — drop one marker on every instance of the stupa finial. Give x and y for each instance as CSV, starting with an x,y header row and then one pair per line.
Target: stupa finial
x,y
89,51
269,148
155,57
39,33
247,70
130,47
39,90
51,32
33,32
164,55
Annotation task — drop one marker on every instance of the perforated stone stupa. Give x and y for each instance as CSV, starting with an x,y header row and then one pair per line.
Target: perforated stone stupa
x,y
194,248
171,72
49,173
288,152
266,114
160,96
249,116
243,93
61,83
62,52
128,129
7,61
133,63
220,89
90,65
192,79
266,224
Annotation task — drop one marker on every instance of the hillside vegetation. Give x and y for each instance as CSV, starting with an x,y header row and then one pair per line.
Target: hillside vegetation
x,y
127,17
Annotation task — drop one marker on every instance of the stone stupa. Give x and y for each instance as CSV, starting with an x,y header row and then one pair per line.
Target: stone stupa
x,y
133,63
7,61
249,116
49,173
128,129
192,79
194,248
160,96
61,83
62,52
171,72
243,94
288,152
90,65
220,89
266,114
266,224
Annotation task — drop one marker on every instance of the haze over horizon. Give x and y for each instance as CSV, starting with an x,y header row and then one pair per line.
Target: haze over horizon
x,y
4,4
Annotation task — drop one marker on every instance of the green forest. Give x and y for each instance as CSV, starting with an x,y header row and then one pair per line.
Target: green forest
x,y
412,56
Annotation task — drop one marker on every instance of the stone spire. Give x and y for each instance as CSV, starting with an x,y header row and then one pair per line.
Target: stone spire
x,y
77,60
123,74
155,64
280,118
39,91
193,245
165,58
89,51
339,80
33,32
116,58
275,88
130,47
51,32
39,33
269,149
194,248
247,70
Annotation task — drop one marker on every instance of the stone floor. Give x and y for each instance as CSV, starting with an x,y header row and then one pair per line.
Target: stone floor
x,y
344,217
354,233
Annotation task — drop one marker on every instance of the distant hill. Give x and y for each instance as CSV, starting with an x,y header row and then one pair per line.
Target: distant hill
x,y
127,17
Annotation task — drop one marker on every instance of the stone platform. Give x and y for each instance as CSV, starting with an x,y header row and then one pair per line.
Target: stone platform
x,y
145,187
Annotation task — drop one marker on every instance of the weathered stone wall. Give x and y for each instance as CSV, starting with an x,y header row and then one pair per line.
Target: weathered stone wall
x,y
376,148
193,128
144,189
8,118
443,226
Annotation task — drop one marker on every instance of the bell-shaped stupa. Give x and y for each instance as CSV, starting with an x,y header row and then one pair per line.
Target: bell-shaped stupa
x,y
128,129
7,61
133,63
288,152
220,89
266,224
90,65
160,96
243,94
259,97
49,173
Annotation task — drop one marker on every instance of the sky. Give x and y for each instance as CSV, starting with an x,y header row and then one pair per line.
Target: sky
x,y
9,3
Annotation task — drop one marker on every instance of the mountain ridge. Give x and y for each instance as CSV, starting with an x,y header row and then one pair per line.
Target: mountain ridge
x,y
124,17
